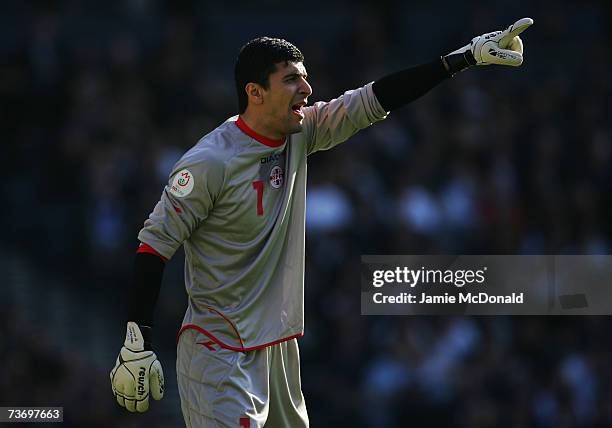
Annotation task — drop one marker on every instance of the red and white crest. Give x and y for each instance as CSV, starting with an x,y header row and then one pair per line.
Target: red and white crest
x,y
277,177
182,184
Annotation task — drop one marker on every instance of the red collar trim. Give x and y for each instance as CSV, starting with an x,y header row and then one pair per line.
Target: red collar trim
x,y
263,140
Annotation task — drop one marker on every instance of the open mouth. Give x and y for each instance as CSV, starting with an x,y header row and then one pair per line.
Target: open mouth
x,y
297,109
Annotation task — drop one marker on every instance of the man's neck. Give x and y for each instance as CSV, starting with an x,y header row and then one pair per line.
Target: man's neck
x,y
259,125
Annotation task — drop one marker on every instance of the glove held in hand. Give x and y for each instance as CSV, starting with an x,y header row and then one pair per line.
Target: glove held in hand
x,y
137,372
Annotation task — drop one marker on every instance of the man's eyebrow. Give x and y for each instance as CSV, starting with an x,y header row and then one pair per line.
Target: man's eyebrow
x,y
296,73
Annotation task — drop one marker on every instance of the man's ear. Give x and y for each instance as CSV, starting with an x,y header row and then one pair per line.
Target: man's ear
x,y
254,93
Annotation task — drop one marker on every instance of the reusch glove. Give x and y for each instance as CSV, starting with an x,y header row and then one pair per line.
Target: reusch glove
x,y
137,371
499,47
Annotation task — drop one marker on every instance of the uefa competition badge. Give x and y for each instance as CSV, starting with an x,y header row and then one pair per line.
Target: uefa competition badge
x,y
182,185
276,177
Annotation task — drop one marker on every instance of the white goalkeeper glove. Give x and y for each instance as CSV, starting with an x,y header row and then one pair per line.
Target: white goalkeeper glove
x,y
137,372
499,47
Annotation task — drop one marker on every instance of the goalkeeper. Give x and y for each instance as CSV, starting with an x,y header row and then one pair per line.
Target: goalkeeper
x,y
236,202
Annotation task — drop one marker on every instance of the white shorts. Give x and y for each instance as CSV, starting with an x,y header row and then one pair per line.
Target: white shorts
x,y
223,388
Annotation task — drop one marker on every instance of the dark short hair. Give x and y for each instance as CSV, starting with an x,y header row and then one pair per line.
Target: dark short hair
x,y
257,60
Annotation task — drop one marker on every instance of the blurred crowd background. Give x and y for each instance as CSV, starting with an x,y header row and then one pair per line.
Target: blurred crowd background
x,y
99,99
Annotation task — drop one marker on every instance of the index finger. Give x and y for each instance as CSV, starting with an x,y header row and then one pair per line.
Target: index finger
x,y
514,30
519,26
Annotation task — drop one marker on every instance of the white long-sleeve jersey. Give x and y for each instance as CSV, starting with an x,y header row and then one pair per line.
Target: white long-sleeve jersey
x,y
237,202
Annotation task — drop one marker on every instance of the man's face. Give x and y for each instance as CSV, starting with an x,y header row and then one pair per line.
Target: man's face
x,y
285,97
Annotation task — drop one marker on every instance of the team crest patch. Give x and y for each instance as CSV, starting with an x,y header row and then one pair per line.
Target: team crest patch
x,y
182,184
277,177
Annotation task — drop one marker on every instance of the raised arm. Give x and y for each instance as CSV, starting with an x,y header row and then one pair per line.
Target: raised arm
x,y
499,47
327,124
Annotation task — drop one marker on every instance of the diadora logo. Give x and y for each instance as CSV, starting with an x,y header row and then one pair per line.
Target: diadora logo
x,y
209,345
270,158
141,379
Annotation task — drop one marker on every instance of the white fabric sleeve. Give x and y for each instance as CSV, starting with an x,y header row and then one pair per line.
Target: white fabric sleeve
x,y
327,124
185,202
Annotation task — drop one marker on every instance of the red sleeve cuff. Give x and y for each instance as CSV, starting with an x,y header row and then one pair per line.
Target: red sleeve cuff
x,y
145,248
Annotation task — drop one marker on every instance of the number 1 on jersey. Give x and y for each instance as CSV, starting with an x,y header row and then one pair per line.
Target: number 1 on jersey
x,y
259,186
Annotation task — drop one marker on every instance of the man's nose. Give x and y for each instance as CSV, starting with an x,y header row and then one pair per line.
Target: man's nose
x,y
306,88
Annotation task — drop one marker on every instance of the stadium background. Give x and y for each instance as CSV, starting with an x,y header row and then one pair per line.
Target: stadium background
x,y
100,98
